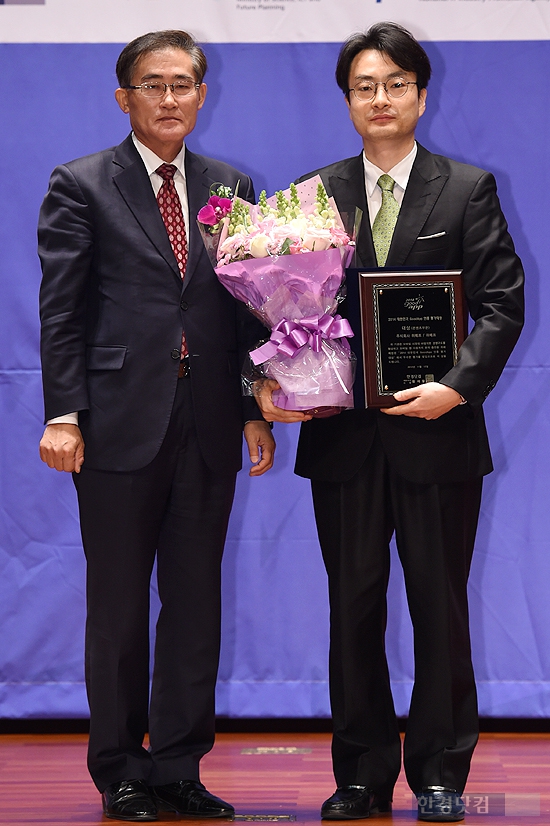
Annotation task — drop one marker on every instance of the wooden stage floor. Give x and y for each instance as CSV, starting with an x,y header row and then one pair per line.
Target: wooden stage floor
x,y
268,777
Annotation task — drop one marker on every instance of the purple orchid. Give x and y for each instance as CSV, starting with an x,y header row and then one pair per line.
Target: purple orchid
x,y
207,215
222,206
215,210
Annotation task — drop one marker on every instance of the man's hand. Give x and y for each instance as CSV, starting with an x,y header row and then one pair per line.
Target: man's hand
x,y
427,401
261,446
62,447
263,391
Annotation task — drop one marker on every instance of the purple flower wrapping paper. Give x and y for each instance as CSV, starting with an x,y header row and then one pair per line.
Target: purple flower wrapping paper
x,y
296,296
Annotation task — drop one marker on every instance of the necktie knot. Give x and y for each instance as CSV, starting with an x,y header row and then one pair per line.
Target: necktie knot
x,y
386,183
167,171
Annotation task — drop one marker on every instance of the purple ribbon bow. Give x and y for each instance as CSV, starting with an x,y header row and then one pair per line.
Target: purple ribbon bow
x,y
288,337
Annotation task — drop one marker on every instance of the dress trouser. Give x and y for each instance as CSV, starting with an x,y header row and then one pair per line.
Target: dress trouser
x,y
435,527
176,509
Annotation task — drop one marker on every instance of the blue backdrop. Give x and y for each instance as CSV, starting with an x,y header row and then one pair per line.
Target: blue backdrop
x,y
275,111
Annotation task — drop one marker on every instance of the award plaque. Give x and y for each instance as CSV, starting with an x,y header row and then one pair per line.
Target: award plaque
x,y
412,326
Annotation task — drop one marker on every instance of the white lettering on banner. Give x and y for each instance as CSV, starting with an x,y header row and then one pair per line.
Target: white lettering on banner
x,y
287,21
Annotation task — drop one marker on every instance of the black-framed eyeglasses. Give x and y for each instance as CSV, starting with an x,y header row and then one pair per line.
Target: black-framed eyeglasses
x,y
181,89
396,87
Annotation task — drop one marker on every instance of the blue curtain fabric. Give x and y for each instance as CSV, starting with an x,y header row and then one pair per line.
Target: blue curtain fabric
x,y
274,111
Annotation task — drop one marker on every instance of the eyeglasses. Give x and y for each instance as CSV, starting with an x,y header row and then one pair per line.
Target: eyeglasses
x,y
181,89
394,88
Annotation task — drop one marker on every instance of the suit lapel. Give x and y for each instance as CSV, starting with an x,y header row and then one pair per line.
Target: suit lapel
x,y
423,190
198,190
132,181
348,189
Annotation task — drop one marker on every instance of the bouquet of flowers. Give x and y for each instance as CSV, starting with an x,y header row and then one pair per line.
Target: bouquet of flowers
x,y
285,259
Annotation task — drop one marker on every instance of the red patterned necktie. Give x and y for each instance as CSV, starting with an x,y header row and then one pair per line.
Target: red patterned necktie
x,y
172,215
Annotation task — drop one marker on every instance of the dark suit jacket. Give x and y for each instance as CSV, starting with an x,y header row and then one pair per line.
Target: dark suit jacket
x,y
113,305
442,196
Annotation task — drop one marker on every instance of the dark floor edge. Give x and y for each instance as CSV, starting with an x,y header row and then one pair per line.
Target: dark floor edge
x,y
265,725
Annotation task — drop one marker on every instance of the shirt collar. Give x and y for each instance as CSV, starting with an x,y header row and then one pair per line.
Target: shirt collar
x,y
400,172
152,161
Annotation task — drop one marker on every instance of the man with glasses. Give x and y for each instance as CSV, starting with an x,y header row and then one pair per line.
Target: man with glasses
x,y
141,354
413,469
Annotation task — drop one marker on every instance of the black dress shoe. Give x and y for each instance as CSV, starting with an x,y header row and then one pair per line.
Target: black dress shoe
x,y
437,804
190,798
128,800
354,803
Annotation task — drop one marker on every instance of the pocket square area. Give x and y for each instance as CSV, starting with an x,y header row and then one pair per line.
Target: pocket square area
x,y
435,235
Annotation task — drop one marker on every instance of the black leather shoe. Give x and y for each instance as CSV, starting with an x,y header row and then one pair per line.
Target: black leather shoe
x,y
128,800
354,803
440,805
190,798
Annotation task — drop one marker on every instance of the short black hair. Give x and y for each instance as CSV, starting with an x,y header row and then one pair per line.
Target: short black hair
x,y
391,39
156,42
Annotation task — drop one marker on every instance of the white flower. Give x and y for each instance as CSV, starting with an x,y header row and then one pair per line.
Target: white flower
x,y
258,246
298,226
316,239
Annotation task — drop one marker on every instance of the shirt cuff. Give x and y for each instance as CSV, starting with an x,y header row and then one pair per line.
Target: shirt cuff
x,y
68,418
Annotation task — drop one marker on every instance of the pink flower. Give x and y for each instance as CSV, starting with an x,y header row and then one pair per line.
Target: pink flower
x,y
339,237
295,248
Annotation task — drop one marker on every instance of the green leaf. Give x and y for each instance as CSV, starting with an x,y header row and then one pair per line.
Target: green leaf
x,y
285,248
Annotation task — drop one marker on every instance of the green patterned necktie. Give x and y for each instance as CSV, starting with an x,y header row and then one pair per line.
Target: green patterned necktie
x,y
385,221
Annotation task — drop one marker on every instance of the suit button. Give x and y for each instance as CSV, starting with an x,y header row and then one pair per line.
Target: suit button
x,y
184,305
176,354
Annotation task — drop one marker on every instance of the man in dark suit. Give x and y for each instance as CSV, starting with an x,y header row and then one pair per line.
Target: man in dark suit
x,y
141,353
413,469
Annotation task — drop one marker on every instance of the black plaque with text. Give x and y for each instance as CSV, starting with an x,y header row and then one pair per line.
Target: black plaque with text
x,y
412,326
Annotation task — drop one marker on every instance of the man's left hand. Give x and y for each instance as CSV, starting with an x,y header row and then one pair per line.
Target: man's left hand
x,y
261,446
427,401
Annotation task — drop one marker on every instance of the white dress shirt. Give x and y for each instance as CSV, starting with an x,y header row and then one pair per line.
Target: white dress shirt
x,y
400,173
151,162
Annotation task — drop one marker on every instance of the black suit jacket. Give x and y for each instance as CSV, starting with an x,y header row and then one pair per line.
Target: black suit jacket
x,y
460,201
113,305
